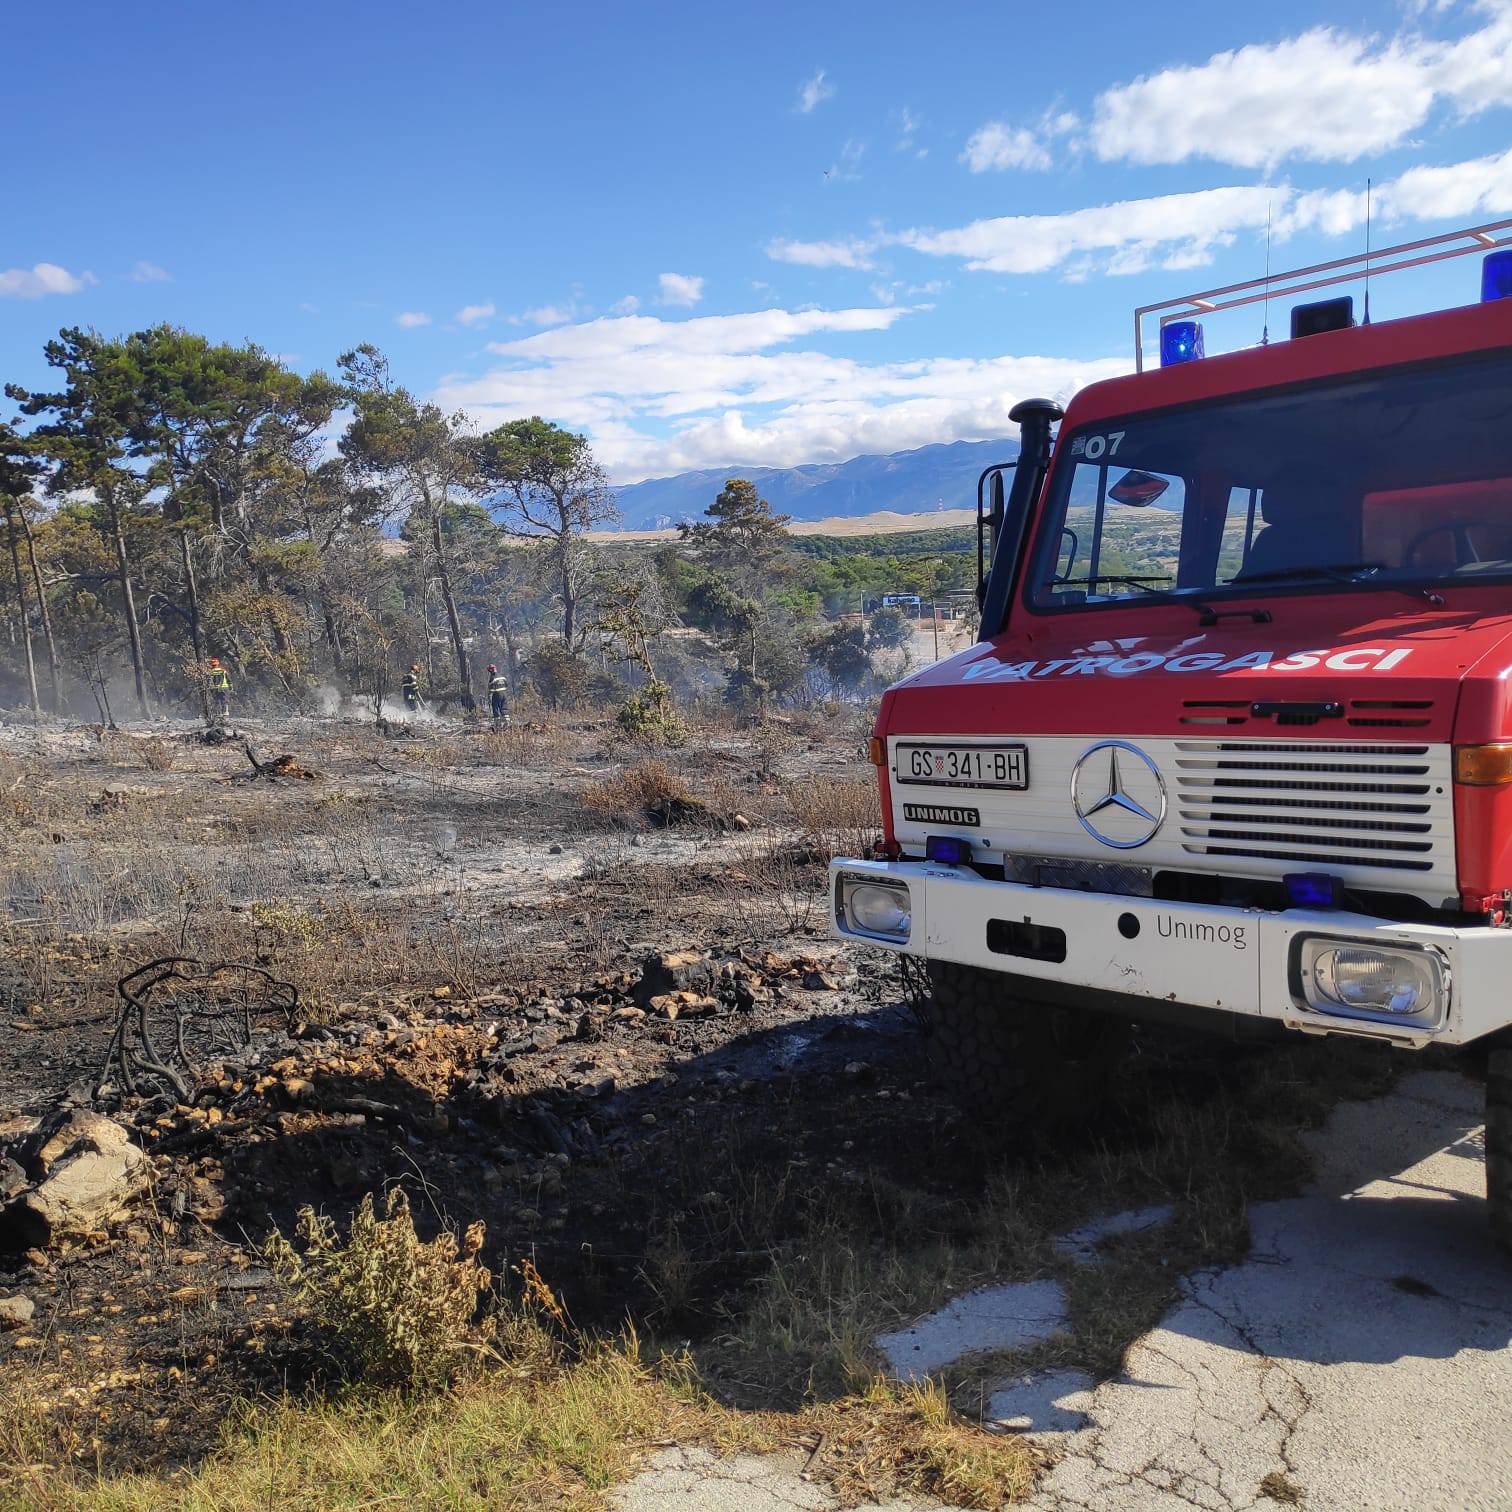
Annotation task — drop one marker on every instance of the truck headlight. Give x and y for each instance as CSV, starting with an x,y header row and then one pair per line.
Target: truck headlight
x,y
1373,981
880,909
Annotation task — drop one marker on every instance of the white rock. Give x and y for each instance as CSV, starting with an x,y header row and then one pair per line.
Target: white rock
x,y
16,1312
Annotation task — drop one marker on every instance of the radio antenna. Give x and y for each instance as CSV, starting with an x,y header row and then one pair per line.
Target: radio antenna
x,y
1265,328
1367,252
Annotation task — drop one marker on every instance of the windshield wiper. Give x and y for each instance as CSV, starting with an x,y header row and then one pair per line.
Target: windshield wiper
x,y
1151,586
1336,572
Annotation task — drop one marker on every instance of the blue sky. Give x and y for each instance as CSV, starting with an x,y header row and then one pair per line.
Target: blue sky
x,y
711,235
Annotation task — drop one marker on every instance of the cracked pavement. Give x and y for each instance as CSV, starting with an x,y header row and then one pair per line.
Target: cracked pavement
x,y
1361,1357
694,1480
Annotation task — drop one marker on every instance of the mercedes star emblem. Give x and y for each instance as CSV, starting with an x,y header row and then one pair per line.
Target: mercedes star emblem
x,y
1118,786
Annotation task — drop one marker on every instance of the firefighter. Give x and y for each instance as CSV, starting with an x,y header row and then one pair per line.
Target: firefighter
x,y
498,695
220,686
411,688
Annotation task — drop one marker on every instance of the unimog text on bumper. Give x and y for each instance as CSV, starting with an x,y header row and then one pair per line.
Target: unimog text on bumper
x,y
1316,971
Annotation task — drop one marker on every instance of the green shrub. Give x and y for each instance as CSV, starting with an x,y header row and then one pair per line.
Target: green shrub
x,y
394,1310
650,716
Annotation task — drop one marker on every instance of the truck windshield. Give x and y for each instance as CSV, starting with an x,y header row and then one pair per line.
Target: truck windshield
x,y
1400,479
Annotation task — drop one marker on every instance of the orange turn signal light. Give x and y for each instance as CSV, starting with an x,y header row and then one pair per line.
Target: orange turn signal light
x,y
876,751
1483,765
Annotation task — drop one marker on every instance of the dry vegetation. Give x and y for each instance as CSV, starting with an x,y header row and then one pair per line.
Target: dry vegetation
x,y
760,1186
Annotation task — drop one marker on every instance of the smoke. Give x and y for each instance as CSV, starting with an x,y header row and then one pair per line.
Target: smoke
x,y
394,709
332,703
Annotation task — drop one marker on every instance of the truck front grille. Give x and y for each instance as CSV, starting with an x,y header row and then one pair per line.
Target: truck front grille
x,y
1326,805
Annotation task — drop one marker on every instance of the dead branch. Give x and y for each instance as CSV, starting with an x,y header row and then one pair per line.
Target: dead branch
x,y
279,767
179,1014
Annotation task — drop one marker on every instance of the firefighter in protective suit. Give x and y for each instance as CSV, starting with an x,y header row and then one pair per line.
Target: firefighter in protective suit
x,y
220,688
498,695
410,688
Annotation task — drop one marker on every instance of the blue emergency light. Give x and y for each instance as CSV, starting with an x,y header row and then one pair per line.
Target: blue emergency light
x,y
1180,341
950,849
1496,276
1311,890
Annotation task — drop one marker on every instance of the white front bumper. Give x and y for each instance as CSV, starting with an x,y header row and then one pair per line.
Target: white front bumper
x,y
1234,960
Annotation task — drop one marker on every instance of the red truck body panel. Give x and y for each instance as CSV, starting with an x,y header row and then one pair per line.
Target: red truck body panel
x,y
1405,669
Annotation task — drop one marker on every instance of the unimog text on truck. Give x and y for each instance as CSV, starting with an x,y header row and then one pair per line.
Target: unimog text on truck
x,y
1234,749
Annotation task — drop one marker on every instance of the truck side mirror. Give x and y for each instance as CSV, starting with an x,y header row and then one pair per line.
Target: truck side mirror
x,y
1068,548
989,521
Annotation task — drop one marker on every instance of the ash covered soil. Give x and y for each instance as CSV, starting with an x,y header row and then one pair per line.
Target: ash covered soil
x,y
575,990
585,1017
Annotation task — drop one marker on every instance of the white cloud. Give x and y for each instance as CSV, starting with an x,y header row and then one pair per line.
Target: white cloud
x,y
150,272
1449,191
1179,230
478,314
41,279
551,314
813,92
849,252
658,396
1325,95
409,319
626,306
998,146
681,289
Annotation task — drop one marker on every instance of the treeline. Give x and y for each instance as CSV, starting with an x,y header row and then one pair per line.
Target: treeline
x,y
168,500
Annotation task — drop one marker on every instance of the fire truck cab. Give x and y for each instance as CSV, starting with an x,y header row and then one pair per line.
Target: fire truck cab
x,y
1234,748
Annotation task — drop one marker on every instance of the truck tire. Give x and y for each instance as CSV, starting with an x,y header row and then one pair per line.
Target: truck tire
x,y
1014,1062
1499,1145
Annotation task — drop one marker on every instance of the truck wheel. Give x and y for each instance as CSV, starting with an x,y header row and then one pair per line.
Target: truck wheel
x,y
1013,1061
1499,1145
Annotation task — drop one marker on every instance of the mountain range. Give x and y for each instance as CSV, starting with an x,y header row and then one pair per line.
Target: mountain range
x,y
943,476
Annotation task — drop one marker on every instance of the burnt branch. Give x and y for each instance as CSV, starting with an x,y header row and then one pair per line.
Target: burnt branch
x,y
179,1015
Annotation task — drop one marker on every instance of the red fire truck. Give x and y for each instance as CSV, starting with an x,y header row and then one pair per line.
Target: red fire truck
x,y
1234,749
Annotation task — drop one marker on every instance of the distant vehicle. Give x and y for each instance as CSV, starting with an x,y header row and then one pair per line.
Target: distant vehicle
x,y
1241,760
910,603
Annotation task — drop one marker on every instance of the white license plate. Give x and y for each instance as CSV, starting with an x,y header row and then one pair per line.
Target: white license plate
x,y
974,766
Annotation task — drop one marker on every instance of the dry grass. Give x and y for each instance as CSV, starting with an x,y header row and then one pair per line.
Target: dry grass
x,y
154,753
559,1429
562,1426
649,792
839,814
891,1439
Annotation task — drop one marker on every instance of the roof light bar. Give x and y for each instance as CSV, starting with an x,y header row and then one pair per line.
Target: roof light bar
x,y
1494,234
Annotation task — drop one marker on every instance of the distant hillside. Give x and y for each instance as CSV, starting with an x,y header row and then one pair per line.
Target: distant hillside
x,y
908,482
